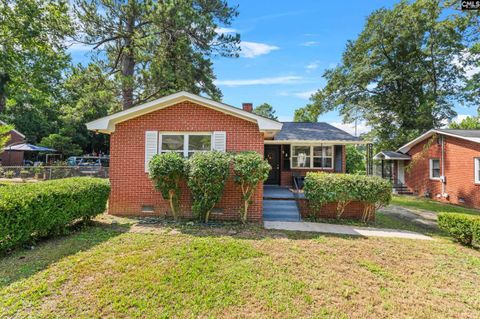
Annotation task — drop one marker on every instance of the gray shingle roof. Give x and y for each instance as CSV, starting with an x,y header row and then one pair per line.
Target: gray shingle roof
x,y
319,131
463,133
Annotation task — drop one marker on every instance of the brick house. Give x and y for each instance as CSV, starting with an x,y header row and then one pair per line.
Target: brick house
x,y
443,164
188,123
13,158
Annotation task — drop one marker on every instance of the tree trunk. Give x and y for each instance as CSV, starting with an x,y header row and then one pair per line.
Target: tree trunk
x,y
128,64
128,67
4,78
3,102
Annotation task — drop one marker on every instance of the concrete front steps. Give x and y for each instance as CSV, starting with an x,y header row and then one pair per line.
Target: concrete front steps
x,y
280,210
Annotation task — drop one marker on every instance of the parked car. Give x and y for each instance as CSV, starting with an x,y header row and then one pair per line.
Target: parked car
x,y
102,161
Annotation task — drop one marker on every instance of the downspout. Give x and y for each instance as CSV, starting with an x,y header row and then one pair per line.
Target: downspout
x,y
443,167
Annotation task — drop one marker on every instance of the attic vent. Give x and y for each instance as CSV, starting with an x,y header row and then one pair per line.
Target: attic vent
x,y
148,209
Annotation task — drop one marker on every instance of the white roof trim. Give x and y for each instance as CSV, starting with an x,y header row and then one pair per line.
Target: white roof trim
x,y
382,155
405,148
309,142
3,123
107,124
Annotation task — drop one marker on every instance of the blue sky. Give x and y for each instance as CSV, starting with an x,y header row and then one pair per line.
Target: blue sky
x,y
286,46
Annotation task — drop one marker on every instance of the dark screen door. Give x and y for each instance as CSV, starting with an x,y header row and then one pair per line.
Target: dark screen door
x,y
272,155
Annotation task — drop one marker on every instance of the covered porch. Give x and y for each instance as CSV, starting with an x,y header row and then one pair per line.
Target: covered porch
x,y
392,167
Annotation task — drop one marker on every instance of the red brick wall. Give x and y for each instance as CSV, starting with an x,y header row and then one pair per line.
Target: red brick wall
x,y
131,187
459,171
13,158
353,210
286,175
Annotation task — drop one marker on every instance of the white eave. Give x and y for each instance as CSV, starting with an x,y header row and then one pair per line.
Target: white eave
x,y
316,142
107,124
405,148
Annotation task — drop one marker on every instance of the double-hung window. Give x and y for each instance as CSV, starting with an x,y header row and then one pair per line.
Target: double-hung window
x,y
185,144
305,156
434,168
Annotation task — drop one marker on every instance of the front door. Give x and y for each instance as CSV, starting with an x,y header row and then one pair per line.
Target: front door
x,y
401,172
272,155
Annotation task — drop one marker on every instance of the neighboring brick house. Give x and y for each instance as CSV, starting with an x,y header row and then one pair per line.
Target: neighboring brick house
x,y
13,158
187,123
443,164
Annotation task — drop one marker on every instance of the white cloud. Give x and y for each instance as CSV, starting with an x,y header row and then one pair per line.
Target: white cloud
x,y
310,43
460,117
312,66
350,127
254,49
73,46
260,81
305,95
221,30
470,70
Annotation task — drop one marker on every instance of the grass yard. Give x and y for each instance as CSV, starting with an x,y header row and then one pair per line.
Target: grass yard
x,y
430,205
108,271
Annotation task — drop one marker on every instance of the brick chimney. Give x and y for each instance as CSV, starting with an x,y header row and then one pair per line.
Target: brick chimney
x,y
247,107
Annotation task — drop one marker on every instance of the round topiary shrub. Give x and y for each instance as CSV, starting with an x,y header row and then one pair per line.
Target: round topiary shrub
x,y
207,175
166,171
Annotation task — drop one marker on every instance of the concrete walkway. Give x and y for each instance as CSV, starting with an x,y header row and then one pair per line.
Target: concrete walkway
x,y
344,230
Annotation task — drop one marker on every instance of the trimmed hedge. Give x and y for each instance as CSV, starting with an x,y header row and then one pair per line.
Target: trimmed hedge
x,y
321,188
207,174
166,171
32,211
462,227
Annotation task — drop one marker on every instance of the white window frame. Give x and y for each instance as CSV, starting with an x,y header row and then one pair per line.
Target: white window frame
x,y
430,169
476,165
311,156
186,137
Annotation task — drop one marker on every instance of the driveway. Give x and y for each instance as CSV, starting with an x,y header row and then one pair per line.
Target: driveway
x,y
422,218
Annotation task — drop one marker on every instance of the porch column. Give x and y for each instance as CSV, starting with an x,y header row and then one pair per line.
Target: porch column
x,y
369,159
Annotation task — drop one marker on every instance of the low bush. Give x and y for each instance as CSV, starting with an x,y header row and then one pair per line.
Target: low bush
x,y
249,169
322,188
207,175
31,211
9,174
462,227
167,171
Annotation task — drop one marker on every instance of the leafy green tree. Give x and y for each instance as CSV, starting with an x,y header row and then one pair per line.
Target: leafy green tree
x,y
5,134
266,110
307,113
398,74
355,159
33,57
156,47
62,144
167,171
88,94
468,123
249,169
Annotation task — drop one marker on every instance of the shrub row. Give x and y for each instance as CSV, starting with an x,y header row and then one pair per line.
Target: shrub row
x,y
462,227
206,174
322,188
31,211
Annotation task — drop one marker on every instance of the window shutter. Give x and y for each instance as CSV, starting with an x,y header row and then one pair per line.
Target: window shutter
x,y
219,141
151,146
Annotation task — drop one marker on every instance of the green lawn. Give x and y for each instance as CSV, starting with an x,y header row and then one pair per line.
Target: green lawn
x,y
104,271
430,205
